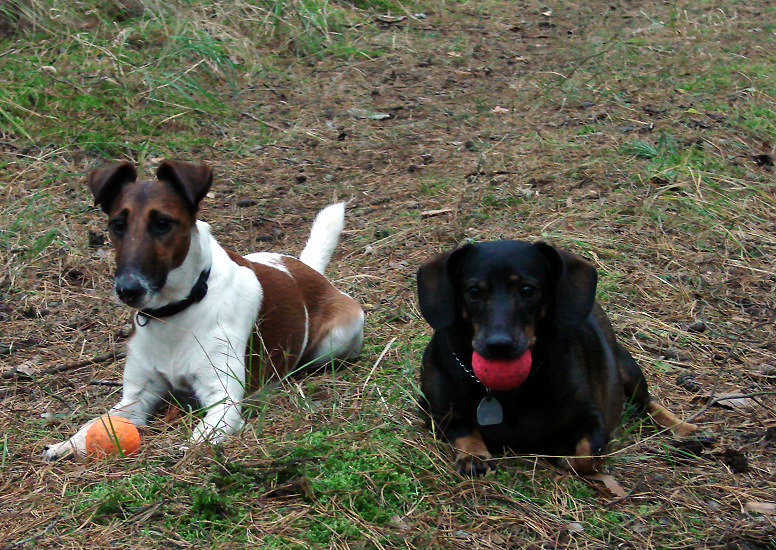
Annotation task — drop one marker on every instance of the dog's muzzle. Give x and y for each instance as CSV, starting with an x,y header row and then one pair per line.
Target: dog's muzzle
x,y
131,289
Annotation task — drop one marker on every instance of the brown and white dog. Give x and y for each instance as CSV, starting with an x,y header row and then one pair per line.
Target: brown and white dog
x,y
200,307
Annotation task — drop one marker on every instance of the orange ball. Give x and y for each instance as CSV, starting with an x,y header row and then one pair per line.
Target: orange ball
x,y
110,435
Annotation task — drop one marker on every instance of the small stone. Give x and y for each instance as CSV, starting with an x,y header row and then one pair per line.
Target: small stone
x,y
697,326
770,434
125,331
96,239
736,460
687,380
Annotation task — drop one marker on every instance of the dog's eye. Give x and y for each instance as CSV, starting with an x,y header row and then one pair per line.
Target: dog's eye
x,y
118,227
160,226
474,293
528,292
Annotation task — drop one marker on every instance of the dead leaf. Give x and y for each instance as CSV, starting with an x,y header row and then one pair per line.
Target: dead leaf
x,y
401,522
367,114
390,19
30,368
765,508
734,400
575,528
609,483
430,213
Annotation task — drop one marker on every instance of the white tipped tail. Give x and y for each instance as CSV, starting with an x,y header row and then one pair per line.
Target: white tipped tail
x,y
324,236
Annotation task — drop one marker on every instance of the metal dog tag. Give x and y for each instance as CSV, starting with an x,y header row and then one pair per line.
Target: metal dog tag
x,y
489,411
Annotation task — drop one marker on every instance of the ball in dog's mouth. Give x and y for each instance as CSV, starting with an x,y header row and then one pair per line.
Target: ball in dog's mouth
x,y
501,374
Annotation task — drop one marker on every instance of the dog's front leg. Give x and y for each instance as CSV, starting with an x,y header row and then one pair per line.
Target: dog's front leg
x,y
221,398
138,402
472,456
589,450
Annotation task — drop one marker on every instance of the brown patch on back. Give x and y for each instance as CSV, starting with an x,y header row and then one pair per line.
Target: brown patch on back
x,y
280,326
667,419
326,306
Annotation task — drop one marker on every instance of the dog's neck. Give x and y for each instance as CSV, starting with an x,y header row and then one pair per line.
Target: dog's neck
x,y
184,278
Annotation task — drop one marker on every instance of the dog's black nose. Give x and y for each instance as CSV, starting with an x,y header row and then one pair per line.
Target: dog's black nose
x,y
500,346
129,289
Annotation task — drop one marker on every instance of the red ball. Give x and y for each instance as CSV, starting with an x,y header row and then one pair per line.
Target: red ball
x,y
501,374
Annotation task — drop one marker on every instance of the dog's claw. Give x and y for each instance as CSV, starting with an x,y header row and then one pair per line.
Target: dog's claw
x,y
57,452
474,466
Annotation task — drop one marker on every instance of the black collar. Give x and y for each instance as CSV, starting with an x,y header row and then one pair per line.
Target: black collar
x,y
198,292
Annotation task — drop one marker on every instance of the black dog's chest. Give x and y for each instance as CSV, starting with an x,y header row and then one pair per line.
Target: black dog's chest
x,y
534,426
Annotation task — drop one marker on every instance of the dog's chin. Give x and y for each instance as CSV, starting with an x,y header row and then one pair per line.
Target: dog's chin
x,y
140,303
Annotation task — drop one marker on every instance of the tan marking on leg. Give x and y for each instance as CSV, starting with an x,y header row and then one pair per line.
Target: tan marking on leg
x,y
667,419
473,457
583,461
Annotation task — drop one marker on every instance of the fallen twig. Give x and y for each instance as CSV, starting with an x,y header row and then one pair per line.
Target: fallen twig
x,y
13,372
104,383
113,355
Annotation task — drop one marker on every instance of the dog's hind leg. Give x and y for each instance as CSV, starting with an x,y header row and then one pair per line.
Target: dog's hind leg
x,y
343,339
636,392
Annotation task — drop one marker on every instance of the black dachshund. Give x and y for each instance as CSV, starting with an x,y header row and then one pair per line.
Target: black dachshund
x,y
523,358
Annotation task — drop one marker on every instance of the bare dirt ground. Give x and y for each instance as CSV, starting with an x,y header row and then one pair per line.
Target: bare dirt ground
x,y
508,120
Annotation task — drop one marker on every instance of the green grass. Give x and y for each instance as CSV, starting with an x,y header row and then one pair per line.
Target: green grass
x,y
331,469
29,226
110,87
361,479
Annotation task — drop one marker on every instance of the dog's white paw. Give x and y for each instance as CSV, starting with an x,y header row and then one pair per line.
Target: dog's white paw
x,y
74,446
218,425
58,451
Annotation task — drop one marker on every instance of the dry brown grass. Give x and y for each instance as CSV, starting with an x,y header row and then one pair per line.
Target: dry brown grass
x,y
681,235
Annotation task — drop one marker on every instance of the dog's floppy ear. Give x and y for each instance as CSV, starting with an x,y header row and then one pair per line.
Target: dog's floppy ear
x,y
105,183
436,288
191,181
575,284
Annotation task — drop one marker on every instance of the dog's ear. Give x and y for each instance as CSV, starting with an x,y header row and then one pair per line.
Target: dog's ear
x,y
436,288
575,284
191,181
105,183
